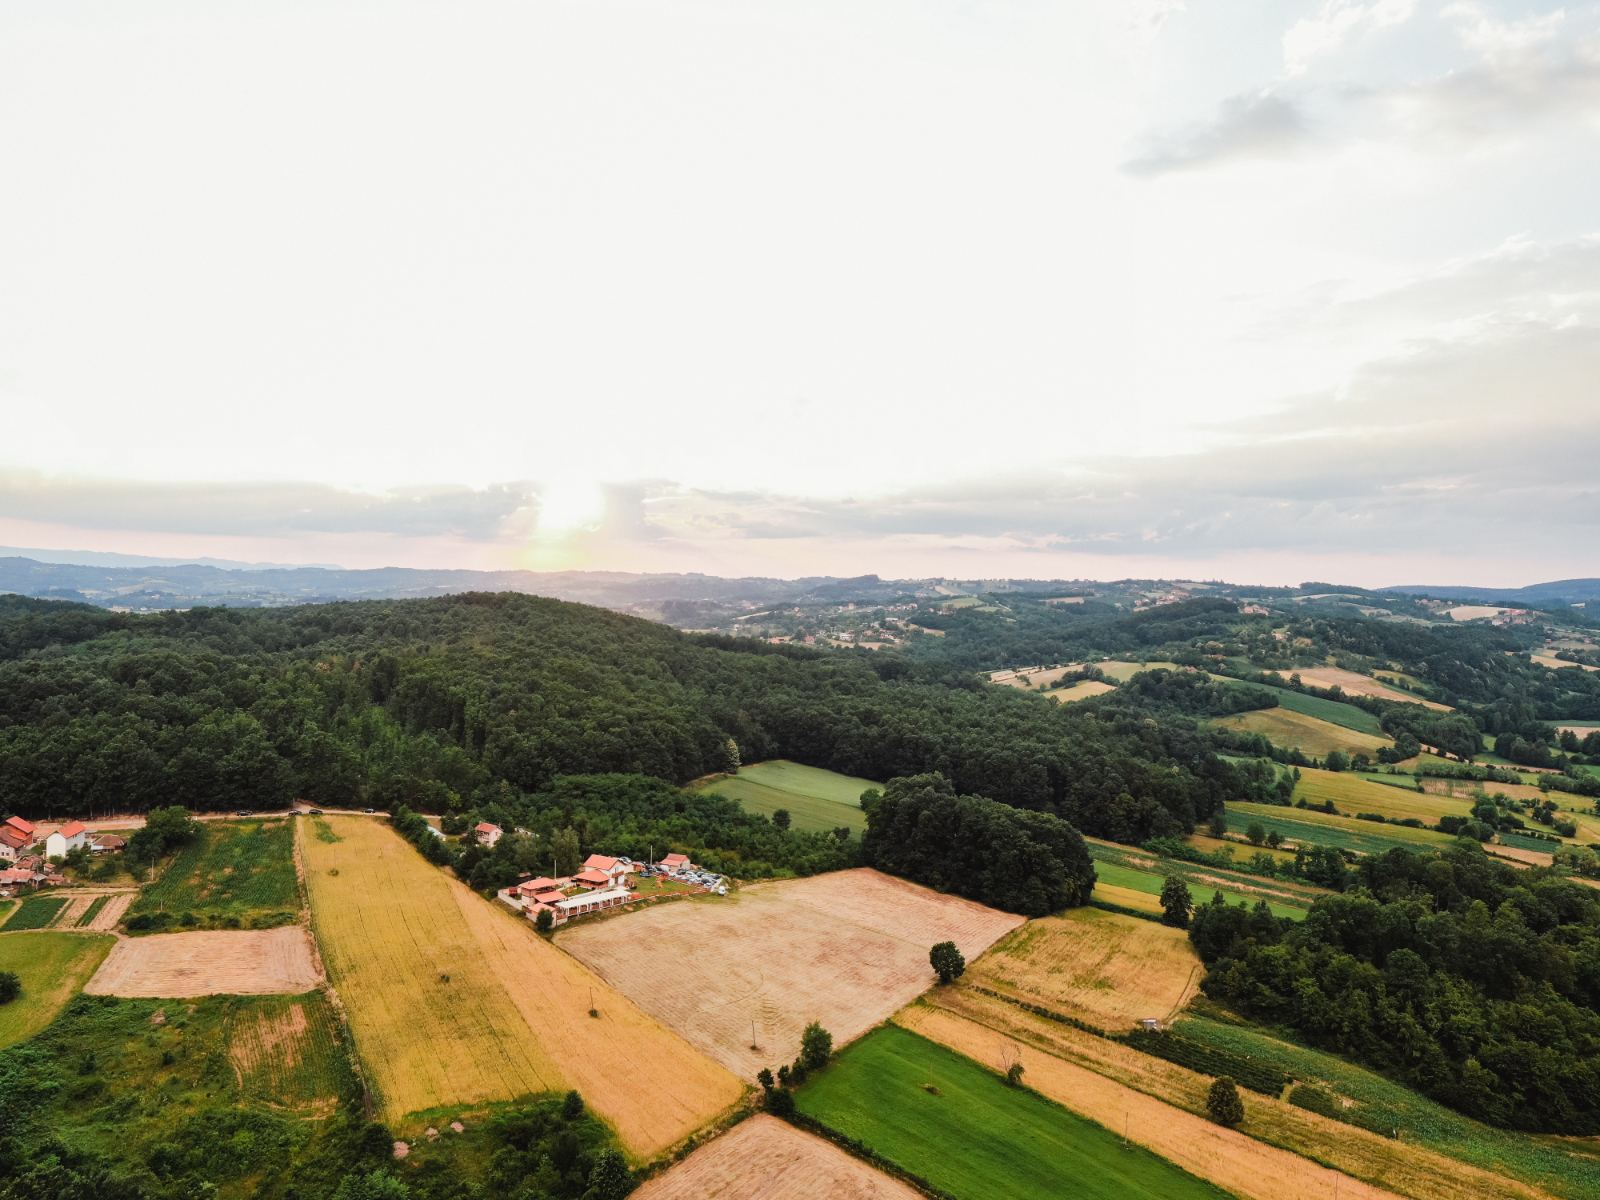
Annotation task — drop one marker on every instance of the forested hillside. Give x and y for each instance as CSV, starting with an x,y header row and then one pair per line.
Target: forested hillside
x,y
443,704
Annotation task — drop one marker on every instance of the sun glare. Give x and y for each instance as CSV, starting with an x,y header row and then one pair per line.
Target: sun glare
x,y
570,506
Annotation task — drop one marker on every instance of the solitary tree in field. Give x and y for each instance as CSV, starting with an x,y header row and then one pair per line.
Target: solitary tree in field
x,y
946,961
10,986
1176,903
1223,1102
816,1047
1337,760
1257,833
781,818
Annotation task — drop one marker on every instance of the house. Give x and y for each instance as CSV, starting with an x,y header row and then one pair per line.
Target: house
x,y
592,879
107,843
614,869
12,843
25,828
535,887
486,834
564,908
676,862
66,839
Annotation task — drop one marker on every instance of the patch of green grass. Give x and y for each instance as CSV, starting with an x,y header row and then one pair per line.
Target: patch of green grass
x,y
36,912
324,831
53,968
1310,827
234,875
1384,1105
946,1119
818,801
1149,882
1335,712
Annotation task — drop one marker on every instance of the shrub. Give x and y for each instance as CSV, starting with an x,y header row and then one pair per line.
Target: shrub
x,y
1223,1103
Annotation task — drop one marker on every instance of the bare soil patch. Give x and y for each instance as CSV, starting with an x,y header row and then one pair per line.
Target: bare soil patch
x,y
763,1158
846,949
253,962
112,911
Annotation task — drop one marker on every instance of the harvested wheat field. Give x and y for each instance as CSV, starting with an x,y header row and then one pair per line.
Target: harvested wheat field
x,y
1084,689
213,962
1353,683
846,949
1050,1054
111,911
1285,727
453,1000
1102,967
764,1158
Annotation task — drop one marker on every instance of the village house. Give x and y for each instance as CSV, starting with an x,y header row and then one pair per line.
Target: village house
x,y
592,879
676,862
12,843
107,843
15,879
66,839
487,834
563,908
614,869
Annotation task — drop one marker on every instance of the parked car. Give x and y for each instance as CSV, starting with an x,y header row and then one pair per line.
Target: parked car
x,y
369,810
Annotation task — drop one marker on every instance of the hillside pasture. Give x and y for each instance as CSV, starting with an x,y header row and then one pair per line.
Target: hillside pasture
x,y
1119,671
1353,683
941,1116
1113,880
1296,731
286,1051
764,1158
1029,680
1307,826
818,801
215,962
1207,844
233,875
454,1000
1282,1152
1083,689
1102,967
1334,712
752,968
53,968
1351,794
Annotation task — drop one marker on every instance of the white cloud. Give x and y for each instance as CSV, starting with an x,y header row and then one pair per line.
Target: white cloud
x,y
1337,22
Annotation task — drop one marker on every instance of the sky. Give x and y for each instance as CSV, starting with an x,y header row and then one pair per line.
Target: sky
x,y
1263,290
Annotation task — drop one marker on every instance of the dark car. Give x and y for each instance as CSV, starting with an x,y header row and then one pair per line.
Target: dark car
x,y
316,812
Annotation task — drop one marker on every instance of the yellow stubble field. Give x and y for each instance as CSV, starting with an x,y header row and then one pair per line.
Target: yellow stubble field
x,y
453,1001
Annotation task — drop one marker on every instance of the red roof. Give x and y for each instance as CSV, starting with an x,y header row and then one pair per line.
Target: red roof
x,y
486,827
592,877
548,897
534,886
599,862
675,860
73,828
14,838
15,875
20,825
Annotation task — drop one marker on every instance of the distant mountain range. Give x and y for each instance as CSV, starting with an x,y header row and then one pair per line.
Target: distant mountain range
x,y
1536,595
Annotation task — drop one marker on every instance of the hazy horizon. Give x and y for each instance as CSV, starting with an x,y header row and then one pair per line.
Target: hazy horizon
x,y
1260,292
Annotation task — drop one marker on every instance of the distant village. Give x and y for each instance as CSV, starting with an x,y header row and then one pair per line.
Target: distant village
x,y
34,854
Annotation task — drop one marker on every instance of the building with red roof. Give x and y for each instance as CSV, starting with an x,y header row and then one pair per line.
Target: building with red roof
x,y
23,827
677,862
592,879
486,833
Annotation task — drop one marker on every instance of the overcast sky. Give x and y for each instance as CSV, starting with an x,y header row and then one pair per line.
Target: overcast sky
x,y
1250,289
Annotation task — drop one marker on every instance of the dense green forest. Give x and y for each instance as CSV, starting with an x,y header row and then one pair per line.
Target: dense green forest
x,y
444,704
1476,983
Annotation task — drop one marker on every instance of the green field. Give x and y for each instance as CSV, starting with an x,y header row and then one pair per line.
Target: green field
x,y
1335,712
818,801
1352,794
53,968
1385,1106
1149,882
36,912
946,1119
234,875
1316,828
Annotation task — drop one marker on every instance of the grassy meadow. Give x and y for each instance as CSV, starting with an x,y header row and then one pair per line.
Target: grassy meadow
x,y
234,875
944,1118
53,968
1310,827
1296,731
818,801
1114,880
1334,712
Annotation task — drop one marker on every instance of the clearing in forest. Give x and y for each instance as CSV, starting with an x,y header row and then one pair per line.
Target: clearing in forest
x,y
453,1000
53,968
1353,683
1084,689
233,875
818,801
751,969
764,1158
1297,731
215,962
963,1129
1104,968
